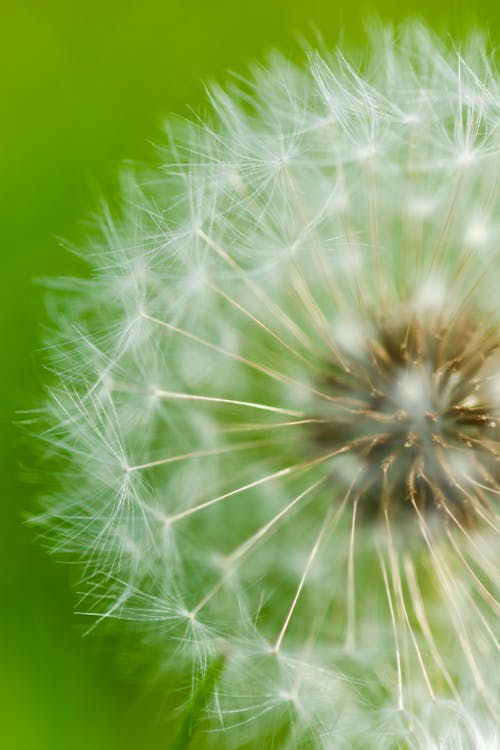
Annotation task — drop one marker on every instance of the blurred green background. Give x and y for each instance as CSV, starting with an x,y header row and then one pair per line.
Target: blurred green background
x,y
83,86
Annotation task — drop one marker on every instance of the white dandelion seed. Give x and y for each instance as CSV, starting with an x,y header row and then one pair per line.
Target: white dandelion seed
x,y
278,403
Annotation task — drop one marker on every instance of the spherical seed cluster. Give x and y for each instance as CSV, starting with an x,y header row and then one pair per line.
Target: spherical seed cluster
x,y
278,399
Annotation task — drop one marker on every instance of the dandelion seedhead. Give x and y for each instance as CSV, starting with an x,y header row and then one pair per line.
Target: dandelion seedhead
x,y
278,405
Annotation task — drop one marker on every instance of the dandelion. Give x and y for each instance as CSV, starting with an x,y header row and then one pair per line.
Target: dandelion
x,y
278,401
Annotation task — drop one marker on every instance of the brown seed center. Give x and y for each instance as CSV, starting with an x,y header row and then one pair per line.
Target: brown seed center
x,y
418,411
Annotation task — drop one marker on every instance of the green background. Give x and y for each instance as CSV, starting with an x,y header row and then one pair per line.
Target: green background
x,y
84,86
